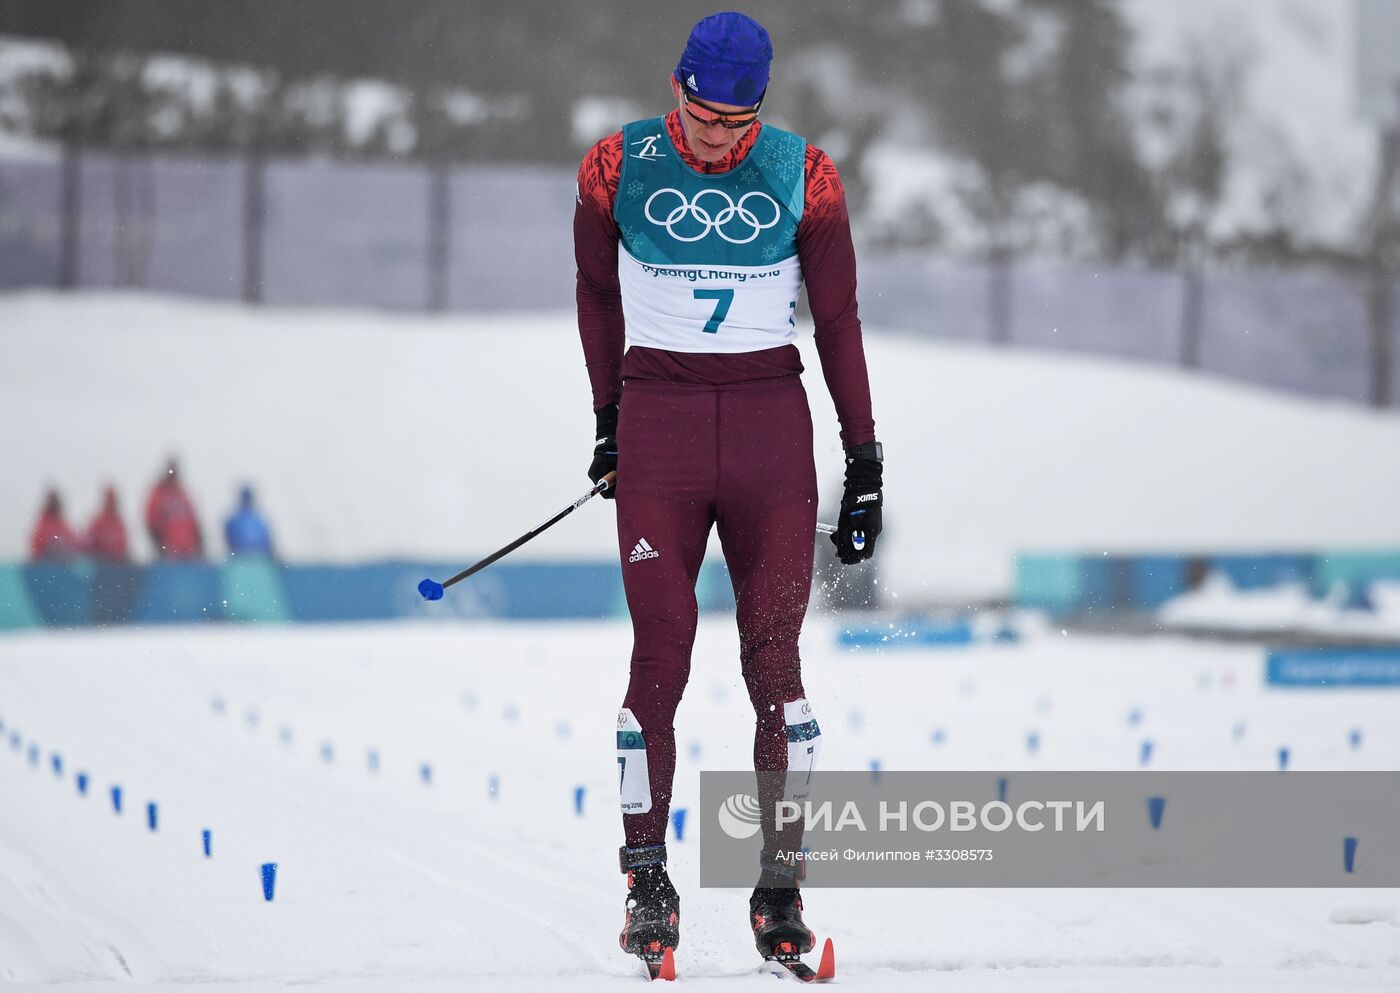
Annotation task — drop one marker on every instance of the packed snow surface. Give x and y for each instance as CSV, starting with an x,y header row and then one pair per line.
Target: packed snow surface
x,y
386,882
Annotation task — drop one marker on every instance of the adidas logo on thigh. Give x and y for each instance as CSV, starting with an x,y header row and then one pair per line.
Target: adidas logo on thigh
x,y
643,550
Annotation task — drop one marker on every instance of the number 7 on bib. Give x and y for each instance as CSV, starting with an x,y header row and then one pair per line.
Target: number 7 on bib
x,y
723,299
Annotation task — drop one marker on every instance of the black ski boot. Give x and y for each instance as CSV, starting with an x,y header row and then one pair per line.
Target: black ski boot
x,y
775,913
653,921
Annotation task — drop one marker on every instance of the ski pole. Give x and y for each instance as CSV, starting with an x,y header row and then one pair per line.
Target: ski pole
x,y
432,590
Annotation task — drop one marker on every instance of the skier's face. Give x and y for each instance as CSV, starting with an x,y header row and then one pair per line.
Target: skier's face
x,y
704,127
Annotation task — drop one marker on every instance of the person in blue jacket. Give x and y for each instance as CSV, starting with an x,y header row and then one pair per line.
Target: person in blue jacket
x,y
246,530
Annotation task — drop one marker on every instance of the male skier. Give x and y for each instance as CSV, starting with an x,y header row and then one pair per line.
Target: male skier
x,y
694,234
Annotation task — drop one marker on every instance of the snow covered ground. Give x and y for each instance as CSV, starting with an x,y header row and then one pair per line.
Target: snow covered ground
x,y
386,883
375,435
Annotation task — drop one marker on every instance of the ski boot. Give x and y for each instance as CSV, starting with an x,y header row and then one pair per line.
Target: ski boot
x,y
775,914
652,926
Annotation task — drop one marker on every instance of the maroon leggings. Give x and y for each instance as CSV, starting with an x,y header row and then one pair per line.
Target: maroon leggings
x,y
740,458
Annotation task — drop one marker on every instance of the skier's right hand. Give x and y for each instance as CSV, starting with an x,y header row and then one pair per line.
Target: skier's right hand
x,y
605,449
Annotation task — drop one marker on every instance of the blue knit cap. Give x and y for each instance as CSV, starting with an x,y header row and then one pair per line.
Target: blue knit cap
x,y
726,60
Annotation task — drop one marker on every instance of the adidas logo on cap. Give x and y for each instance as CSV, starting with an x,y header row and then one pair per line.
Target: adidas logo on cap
x,y
643,550
690,81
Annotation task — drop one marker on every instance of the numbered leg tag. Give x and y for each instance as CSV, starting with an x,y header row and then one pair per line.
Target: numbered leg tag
x,y
804,738
634,784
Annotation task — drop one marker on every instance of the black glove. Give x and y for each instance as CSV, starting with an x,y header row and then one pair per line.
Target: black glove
x,y
605,451
859,523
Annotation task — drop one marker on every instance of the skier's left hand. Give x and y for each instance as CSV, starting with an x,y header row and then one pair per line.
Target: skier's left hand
x,y
860,521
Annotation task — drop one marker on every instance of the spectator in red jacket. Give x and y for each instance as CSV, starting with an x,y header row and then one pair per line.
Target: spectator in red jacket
x,y
53,540
106,535
170,519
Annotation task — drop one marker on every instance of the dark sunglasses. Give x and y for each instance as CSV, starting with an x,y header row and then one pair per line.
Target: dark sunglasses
x,y
733,122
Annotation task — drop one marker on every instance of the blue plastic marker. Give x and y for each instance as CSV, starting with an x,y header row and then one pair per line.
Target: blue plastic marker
x,y
939,736
1349,854
217,705
1146,754
1033,742
493,786
82,780
425,773
14,740
695,751
151,815
1001,788
1134,717
1155,806
372,759
875,770
327,751
117,799
1282,759
1238,732
285,734
678,823
269,879
578,800
208,843
33,754
57,761
1355,739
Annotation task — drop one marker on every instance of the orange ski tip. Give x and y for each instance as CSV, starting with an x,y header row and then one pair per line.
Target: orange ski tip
x,y
668,966
826,969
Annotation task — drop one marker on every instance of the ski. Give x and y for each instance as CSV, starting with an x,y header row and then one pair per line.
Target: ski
x,y
660,963
786,956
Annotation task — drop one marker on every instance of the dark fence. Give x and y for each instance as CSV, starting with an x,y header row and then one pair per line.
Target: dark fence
x,y
495,238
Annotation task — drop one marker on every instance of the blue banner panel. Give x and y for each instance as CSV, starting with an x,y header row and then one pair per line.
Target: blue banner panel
x,y
1354,569
59,592
181,593
116,592
252,589
916,632
1331,668
521,591
16,608
1156,579
1048,582
346,592
1255,572
568,590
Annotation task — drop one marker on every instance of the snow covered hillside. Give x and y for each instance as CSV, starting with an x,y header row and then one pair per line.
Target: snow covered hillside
x,y
376,435
386,883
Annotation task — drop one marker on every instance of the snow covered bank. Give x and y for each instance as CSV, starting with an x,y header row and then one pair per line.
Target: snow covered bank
x,y
381,436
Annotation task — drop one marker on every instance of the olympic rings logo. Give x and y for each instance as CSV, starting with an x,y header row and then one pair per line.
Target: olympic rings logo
x,y
729,212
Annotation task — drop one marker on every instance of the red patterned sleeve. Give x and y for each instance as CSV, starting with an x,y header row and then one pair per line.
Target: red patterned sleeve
x,y
829,270
599,297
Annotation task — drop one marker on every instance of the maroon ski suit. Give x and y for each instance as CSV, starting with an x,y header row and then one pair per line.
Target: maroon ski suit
x,y
724,440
